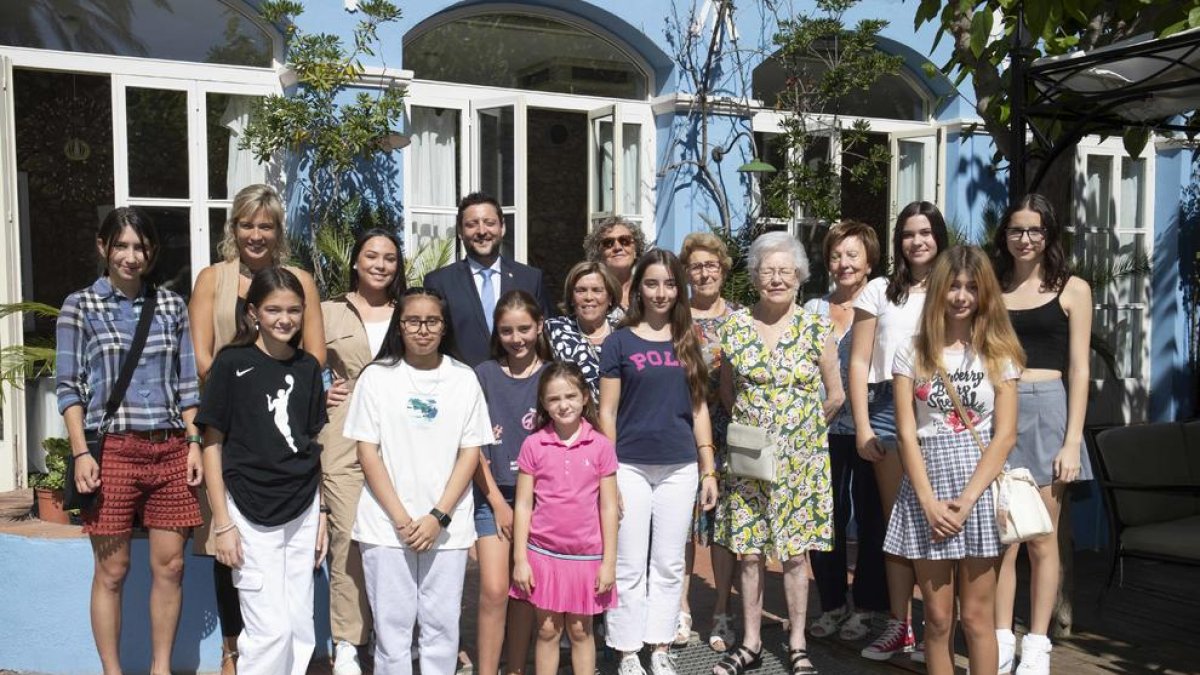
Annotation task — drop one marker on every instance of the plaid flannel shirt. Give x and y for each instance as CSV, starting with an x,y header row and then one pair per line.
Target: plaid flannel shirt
x,y
95,329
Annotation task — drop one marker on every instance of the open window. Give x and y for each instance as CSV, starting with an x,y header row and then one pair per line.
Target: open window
x,y
614,165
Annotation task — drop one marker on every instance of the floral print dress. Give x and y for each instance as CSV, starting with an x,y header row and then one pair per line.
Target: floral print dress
x,y
779,390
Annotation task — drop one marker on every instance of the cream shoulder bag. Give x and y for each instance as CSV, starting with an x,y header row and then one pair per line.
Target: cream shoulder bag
x,y
1021,514
752,452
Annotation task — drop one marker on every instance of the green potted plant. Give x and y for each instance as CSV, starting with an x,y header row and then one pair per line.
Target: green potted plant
x,y
48,486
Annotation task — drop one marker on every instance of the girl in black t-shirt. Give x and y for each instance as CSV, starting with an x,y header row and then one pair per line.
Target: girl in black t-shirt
x,y
262,408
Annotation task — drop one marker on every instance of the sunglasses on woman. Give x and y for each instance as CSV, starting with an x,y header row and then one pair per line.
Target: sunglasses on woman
x,y
624,240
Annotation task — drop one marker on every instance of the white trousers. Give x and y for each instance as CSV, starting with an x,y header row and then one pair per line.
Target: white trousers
x,y
406,589
654,530
275,591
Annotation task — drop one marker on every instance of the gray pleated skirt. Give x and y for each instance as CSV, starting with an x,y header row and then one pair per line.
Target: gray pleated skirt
x,y
1041,428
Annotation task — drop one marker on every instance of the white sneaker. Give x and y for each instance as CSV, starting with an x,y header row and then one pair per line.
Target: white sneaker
x,y
345,659
856,627
662,663
630,665
829,622
1035,655
1008,646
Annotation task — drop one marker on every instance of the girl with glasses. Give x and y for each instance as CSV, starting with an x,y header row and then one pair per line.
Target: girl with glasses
x,y
1051,311
420,419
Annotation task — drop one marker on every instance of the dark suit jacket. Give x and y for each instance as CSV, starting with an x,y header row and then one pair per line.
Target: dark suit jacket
x,y
455,283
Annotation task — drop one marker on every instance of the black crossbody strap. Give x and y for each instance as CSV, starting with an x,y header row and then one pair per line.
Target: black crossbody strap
x,y
129,363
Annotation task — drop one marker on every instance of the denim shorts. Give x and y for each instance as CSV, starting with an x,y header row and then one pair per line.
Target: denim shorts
x,y
485,518
881,407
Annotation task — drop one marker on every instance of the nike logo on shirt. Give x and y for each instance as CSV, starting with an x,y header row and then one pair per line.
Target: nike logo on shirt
x,y
240,373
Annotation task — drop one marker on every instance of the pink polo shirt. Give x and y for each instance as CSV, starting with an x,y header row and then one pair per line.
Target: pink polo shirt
x,y
566,489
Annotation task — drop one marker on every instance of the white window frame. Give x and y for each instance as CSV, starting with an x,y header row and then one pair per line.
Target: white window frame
x,y
1114,149
201,78
463,97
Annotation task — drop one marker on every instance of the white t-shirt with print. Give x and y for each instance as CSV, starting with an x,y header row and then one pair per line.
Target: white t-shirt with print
x,y
420,419
895,325
934,407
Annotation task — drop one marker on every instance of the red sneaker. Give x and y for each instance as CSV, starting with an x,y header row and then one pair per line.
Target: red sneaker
x,y
896,638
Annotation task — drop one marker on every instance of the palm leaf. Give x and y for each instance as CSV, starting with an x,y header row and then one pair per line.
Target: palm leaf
x,y
434,254
35,308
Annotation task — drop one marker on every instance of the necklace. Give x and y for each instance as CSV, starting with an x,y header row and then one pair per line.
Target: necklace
x,y
605,331
533,366
413,383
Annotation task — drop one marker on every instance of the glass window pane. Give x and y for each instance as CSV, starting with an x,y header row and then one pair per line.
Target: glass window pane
x,y
497,166
216,232
911,174
63,127
890,97
204,31
604,164
1122,331
1098,197
1133,192
631,169
435,156
522,51
157,127
230,168
173,269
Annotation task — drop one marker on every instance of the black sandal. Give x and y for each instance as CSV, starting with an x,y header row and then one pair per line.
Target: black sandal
x,y
738,660
798,655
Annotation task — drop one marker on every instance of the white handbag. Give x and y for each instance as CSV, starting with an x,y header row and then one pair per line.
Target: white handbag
x,y
751,452
1021,514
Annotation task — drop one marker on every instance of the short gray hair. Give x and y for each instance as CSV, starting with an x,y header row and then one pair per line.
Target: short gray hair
x,y
778,242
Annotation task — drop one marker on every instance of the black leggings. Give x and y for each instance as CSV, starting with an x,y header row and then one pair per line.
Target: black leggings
x,y
229,610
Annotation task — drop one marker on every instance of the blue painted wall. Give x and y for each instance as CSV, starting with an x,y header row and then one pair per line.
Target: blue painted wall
x,y
46,628
1176,220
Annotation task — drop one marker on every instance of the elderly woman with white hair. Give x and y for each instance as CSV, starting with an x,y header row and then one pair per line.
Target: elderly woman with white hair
x,y
778,356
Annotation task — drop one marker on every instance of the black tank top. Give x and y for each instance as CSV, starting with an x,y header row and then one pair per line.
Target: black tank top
x,y
1044,334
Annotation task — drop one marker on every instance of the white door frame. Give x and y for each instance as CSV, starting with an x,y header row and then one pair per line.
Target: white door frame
x,y
518,209
426,93
12,447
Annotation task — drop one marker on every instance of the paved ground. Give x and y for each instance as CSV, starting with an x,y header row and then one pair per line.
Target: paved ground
x,y
1149,625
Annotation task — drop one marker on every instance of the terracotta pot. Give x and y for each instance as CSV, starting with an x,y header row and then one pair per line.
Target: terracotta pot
x,y
50,506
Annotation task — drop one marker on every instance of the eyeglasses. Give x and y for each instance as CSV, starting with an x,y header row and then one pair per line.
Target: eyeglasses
x,y
1035,234
784,273
624,240
487,222
711,266
413,325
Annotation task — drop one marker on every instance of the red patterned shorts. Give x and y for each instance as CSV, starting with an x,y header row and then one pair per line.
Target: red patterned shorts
x,y
138,475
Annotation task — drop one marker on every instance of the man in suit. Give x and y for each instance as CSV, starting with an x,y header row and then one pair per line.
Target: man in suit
x,y
473,286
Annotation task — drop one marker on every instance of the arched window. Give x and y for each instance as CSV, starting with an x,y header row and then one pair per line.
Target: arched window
x,y
201,31
523,51
893,96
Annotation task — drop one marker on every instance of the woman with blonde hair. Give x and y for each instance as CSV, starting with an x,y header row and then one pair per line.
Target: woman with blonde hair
x,y
254,239
956,418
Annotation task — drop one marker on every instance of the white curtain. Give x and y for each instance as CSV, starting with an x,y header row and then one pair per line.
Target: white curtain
x,y
434,163
604,131
631,174
909,173
1132,179
242,168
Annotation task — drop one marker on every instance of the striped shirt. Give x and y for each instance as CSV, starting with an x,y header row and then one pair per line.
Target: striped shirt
x,y
95,329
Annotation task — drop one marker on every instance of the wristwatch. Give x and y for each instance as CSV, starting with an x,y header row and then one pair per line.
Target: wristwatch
x,y
441,518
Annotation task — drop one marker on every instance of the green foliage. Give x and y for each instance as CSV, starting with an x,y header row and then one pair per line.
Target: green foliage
x,y
1052,27
31,360
329,247
438,252
336,136
58,454
824,62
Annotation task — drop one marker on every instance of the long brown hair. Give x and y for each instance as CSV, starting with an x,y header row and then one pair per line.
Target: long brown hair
x,y
992,335
571,373
901,279
683,332
1055,269
265,282
520,301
